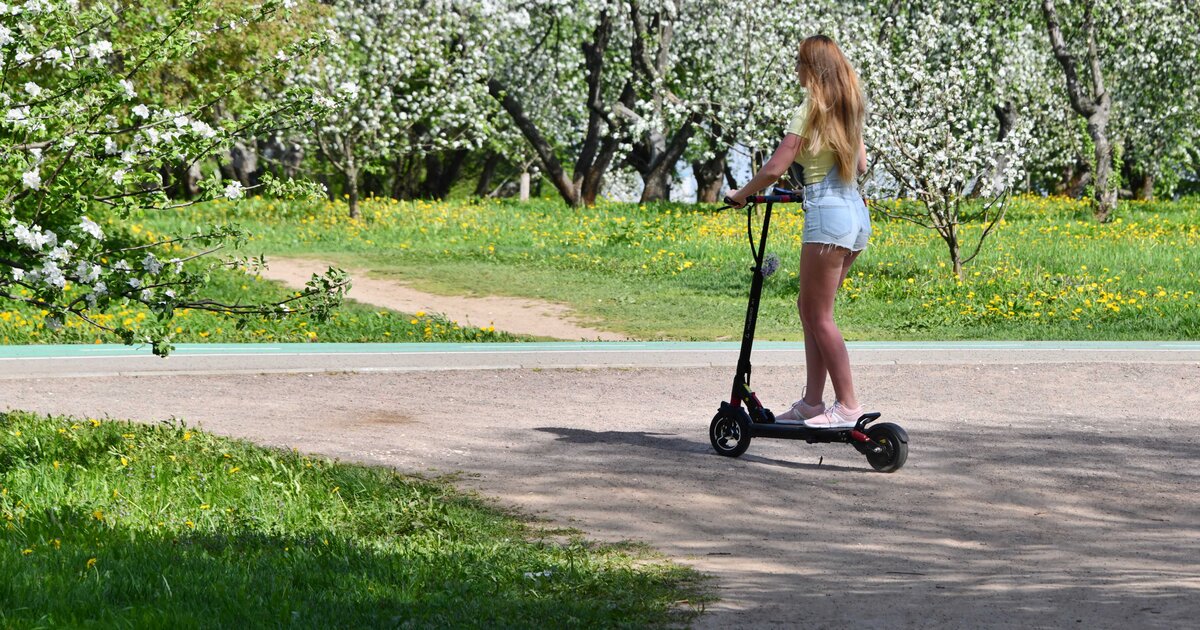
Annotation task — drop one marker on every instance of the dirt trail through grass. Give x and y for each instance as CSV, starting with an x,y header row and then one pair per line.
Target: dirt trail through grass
x,y
515,315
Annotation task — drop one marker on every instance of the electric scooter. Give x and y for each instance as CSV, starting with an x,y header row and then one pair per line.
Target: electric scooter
x,y
885,444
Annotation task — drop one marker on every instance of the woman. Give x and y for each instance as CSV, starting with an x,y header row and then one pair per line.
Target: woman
x,y
825,137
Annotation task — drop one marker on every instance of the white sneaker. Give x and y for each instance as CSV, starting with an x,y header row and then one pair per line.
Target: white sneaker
x,y
800,412
836,417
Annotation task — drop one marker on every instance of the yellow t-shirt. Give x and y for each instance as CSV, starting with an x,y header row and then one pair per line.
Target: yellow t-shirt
x,y
816,166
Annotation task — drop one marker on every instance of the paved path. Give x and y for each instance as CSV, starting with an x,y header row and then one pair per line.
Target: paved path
x,y
1047,485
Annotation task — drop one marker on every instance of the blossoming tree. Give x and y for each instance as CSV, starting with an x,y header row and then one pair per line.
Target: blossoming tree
x,y
943,80
81,142
408,75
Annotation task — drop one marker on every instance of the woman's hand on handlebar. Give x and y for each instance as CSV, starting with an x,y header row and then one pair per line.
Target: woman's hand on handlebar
x,y
736,198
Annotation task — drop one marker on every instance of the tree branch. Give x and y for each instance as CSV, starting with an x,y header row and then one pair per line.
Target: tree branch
x,y
1083,105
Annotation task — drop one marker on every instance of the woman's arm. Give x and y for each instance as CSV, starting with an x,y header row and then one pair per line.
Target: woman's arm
x,y
862,159
775,167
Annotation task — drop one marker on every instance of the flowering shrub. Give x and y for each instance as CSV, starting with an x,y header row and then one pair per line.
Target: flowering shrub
x,y
82,138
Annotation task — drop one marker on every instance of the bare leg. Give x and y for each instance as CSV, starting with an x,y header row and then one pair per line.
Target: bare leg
x,y
814,391
823,268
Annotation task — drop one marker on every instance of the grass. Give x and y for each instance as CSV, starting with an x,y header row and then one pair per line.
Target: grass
x,y
681,272
355,322
117,524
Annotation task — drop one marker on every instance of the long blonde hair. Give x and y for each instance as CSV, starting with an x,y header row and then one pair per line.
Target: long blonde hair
x,y
836,109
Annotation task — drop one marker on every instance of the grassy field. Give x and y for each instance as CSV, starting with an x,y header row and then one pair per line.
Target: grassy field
x,y
22,324
681,271
116,524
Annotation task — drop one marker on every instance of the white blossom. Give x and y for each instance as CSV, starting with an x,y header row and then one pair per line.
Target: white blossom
x,y
98,50
87,272
151,264
32,179
234,191
51,275
90,227
202,129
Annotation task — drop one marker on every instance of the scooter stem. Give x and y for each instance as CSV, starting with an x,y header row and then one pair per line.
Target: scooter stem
x,y
741,383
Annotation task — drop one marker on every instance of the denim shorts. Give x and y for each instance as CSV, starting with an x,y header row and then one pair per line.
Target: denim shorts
x,y
834,213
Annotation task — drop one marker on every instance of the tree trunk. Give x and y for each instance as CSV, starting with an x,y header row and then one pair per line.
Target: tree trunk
x,y
484,185
593,177
1006,118
244,163
709,178
182,181
352,191
1146,190
524,190
1095,105
1105,195
656,186
441,171
404,177
950,236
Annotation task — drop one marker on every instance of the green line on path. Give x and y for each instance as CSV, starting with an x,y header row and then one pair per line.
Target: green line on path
x,y
115,350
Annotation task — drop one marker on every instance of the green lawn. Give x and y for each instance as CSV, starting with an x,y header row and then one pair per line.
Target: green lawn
x,y
354,322
116,524
681,271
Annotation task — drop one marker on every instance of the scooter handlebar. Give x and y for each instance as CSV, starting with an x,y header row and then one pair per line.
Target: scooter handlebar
x,y
789,198
779,195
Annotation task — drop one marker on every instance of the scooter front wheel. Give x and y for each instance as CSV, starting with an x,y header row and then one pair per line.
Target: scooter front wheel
x,y
729,434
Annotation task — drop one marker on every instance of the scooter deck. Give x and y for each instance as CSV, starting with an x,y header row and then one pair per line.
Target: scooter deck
x,y
799,432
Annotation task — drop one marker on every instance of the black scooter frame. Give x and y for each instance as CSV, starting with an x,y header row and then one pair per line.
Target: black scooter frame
x,y
759,420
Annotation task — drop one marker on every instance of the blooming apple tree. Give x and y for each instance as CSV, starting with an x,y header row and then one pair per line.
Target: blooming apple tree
x,y
409,77
708,76
81,145
940,78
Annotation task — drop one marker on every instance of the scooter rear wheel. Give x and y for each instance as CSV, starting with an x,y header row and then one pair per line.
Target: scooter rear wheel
x,y
895,447
729,434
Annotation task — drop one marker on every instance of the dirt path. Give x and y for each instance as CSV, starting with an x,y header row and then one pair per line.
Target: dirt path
x,y
1035,496
515,315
